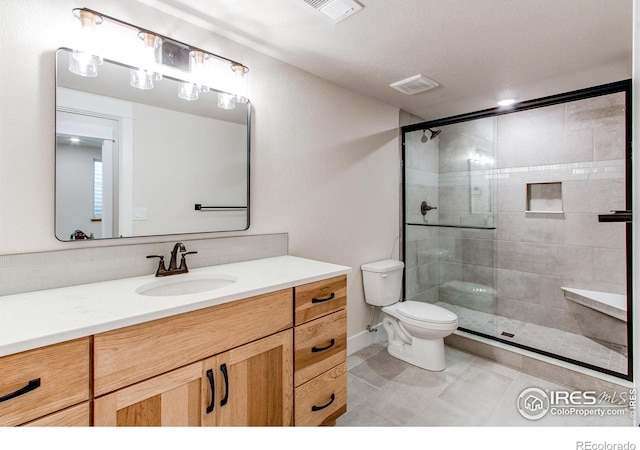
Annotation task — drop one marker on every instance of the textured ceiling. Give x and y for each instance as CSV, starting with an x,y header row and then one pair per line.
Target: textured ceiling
x,y
478,50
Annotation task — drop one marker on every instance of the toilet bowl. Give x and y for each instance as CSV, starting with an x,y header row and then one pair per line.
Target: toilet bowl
x,y
416,330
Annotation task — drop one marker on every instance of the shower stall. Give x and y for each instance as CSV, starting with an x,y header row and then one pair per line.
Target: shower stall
x,y
518,220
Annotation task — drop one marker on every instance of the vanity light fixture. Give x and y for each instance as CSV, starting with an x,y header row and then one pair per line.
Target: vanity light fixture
x,y
144,76
141,79
84,62
226,101
240,82
199,70
188,91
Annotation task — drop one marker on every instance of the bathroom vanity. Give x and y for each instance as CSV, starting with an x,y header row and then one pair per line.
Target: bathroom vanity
x,y
267,347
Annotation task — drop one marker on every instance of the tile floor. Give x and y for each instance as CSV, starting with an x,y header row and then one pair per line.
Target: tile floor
x,y
598,353
471,391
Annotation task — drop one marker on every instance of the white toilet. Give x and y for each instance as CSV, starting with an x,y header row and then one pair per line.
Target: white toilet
x,y
416,330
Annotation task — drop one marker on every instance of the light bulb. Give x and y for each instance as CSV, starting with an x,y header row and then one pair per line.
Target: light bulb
x,y
226,101
151,54
84,64
141,79
85,61
240,82
188,91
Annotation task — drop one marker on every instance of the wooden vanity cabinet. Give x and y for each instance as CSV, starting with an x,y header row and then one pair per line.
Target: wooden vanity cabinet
x,y
249,385
235,367
74,416
41,384
252,384
320,343
270,360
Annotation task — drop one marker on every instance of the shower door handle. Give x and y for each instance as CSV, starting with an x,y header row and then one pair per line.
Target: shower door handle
x,y
616,216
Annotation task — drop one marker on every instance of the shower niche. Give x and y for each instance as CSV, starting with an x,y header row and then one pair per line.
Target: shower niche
x,y
544,198
515,197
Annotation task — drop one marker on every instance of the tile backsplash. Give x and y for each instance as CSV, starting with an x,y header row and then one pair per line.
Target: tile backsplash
x,y
25,272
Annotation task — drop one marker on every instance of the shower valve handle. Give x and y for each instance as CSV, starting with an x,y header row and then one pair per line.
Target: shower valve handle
x,y
424,208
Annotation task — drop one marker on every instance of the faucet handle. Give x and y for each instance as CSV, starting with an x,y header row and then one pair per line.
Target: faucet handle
x,y
183,261
161,267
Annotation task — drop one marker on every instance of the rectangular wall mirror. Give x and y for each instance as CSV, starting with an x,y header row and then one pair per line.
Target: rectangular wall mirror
x,y
143,162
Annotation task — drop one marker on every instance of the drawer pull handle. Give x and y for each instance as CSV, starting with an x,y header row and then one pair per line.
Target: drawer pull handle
x,y
315,408
326,299
223,369
321,349
32,385
213,391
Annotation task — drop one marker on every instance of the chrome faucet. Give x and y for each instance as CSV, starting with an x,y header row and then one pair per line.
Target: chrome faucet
x,y
173,263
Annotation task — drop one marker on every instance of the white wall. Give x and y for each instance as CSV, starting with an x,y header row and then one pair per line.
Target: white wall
x,y
325,163
167,183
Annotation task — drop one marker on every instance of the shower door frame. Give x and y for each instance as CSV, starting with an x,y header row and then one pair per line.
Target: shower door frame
x,y
623,86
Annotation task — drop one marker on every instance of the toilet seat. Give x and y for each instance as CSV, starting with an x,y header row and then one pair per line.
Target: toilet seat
x,y
426,312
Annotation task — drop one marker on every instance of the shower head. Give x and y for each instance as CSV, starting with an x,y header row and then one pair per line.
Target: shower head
x,y
424,137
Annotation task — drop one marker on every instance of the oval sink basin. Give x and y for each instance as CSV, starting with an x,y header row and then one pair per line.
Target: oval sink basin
x,y
185,284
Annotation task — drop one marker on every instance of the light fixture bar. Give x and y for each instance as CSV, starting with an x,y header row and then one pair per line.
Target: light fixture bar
x,y
79,12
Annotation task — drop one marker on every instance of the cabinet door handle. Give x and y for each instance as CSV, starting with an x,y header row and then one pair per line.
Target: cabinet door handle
x,y
213,391
223,369
315,408
326,299
320,349
31,385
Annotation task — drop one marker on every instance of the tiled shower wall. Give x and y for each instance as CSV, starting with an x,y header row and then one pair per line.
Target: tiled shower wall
x,y
27,272
582,145
517,269
445,263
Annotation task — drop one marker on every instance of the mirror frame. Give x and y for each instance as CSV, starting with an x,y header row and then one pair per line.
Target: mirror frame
x,y
58,61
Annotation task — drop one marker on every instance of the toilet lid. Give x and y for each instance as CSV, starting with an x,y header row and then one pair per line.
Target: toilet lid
x,y
426,312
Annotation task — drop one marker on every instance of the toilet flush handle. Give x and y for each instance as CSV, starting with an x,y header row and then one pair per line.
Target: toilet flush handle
x,y
384,275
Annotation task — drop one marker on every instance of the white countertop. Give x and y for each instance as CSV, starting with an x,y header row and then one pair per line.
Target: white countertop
x,y
36,319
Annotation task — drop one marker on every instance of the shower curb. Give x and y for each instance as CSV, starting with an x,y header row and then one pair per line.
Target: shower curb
x,y
540,366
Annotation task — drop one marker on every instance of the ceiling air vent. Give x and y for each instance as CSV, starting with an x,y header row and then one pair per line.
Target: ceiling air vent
x,y
414,85
335,10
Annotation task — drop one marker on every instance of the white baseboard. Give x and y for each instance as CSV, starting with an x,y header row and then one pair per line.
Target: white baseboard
x,y
366,338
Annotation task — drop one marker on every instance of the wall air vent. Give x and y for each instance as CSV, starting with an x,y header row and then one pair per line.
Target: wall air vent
x,y
335,10
414,85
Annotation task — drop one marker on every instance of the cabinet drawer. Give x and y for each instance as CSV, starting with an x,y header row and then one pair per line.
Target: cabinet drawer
x,y
318,299
320,345
322,400
76,416
128,355
51,378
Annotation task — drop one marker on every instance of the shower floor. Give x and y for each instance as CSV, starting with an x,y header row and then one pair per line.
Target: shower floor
x,y
569,345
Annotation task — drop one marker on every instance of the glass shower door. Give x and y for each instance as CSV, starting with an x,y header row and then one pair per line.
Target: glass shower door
x,y
518,221
450,221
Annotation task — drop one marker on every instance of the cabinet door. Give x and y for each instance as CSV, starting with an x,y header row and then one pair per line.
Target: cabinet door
x,y
171,399
253,384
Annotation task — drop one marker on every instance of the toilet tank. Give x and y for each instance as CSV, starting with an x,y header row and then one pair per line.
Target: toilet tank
x,y
382,282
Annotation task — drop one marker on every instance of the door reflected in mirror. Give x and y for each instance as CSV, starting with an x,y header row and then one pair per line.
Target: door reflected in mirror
x,y
133,162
